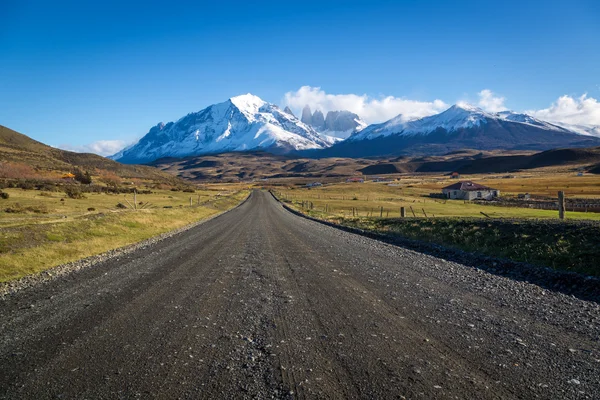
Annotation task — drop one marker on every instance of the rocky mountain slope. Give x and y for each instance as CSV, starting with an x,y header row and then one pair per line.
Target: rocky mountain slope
x,y
241,123
459,127
338,124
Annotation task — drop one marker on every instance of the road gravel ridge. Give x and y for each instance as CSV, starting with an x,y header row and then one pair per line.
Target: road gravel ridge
x,y
261,303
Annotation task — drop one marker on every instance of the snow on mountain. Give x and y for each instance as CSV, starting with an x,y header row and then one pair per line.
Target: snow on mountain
x,y
460,127
337,124
588,130
459,116
241,123
527,119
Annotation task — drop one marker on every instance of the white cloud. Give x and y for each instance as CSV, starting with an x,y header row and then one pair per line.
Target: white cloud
x,y
582,110
369,109
490,102
101,147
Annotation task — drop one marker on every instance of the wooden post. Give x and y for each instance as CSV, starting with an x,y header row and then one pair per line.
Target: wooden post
x,y
135,199
381,212
191,201
413,212
125,197
402,212
561,205
424,213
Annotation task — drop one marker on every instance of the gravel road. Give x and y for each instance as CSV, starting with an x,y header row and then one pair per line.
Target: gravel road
x,y
261,303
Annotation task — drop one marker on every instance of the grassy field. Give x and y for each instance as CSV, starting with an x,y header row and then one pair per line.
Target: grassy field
x,y
45,229
367,199
520,234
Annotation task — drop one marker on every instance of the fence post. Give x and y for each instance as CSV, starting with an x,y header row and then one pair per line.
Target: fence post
x,y
402,212
413,212
381,212
561,205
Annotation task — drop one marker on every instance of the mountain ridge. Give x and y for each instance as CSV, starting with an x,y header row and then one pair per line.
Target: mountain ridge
x,y
241,123
248,123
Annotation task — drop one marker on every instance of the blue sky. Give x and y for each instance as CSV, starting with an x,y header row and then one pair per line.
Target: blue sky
x,y
76,72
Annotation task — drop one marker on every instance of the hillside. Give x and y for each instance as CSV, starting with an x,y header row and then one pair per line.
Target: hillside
x,y
237,166
22,150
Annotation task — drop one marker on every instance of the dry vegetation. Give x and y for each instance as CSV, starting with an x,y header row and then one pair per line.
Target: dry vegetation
x,y
413,191
45,229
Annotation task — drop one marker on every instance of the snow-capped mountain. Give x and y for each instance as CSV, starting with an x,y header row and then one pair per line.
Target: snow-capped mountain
x,y
241,123
455,118
590,130
459,127
337,124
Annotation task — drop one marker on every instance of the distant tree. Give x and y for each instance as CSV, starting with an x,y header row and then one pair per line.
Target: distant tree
x,y
74,192
82,177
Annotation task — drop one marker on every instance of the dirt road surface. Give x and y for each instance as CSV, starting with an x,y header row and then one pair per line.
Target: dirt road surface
x,y
261,303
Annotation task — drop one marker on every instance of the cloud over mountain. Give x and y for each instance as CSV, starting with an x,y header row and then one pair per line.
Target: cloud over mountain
x,y
490,102
371,110
581,110
100,147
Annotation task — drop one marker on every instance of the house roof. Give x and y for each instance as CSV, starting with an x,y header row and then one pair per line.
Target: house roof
x,y
467,186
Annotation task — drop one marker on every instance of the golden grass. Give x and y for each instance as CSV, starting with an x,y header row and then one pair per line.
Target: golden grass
x,y
28,246
412,191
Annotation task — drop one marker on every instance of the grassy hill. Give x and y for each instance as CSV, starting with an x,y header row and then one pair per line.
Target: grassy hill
x,y
21,151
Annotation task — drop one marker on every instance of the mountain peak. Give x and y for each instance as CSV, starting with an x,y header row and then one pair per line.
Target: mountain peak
x,y
462,106
241,123
248,102
289,111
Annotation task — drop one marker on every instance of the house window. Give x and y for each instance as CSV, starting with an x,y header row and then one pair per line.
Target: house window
x,y
478,194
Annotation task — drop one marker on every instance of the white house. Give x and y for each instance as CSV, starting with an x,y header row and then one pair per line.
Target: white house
x,y
468,190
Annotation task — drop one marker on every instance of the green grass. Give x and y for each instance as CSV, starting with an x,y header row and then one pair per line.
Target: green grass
x,y
520,234
30,243
367,200
563,245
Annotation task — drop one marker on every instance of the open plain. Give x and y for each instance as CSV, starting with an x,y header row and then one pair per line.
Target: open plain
x,y
261,303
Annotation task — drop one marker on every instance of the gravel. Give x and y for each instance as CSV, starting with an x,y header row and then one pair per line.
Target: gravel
x,y
260,303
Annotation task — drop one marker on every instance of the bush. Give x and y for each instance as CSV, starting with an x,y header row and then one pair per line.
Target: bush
x,y
47,187
19,209
121,205
74,192
91,209
25,185
188,190
4,195
82,177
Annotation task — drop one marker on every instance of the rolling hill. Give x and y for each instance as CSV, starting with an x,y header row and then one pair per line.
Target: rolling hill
x,y
21,149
